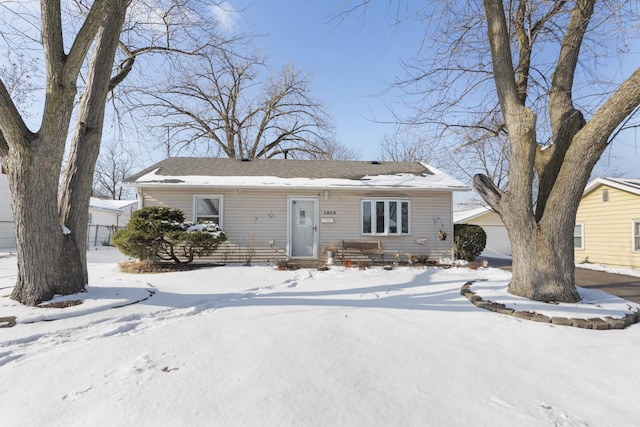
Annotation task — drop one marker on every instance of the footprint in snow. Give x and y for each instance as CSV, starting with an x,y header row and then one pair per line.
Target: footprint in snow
x,y
75,395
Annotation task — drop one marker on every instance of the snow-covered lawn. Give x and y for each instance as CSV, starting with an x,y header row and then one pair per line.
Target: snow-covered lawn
x,y
234,345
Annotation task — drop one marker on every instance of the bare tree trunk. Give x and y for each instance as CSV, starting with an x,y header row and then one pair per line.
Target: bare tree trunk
x,y
543,263
75,190
33,162
38,232
542,246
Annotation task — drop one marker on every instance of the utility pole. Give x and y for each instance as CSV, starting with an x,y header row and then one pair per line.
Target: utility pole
x,y
168,142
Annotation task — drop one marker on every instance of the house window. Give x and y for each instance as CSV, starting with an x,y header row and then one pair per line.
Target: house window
x,y
385,217
636,236
605,195
578,236
208,208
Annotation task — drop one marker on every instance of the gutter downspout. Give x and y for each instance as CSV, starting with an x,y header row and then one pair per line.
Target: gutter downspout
x,y
140,198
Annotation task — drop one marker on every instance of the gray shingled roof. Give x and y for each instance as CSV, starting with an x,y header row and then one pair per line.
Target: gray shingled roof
x,y
281,168
631,182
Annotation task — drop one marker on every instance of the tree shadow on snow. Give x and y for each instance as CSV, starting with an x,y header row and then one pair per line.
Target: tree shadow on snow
x,y
400,295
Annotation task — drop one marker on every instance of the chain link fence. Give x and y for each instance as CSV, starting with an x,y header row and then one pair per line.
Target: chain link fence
x,y
97,235
100,235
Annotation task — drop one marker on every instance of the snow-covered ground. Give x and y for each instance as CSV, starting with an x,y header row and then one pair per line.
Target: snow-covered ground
x,y
234,346
610,269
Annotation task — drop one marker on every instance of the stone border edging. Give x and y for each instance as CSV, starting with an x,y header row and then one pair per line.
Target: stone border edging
x,y
594,323
10,321
7,322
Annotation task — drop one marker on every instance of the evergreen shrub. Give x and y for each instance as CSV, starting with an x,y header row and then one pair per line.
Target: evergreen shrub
x,y
469,241
159,234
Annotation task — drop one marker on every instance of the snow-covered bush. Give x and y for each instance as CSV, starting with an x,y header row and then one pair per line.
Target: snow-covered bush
x,y
160,234
468,241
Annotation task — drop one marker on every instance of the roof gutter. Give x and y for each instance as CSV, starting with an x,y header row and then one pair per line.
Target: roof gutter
x,y
140,185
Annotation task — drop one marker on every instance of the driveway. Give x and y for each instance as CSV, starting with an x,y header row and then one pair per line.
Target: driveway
x,y
627,287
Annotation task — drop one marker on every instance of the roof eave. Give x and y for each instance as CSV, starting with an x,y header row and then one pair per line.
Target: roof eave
x,y
150,184
471,217
593,185
110,210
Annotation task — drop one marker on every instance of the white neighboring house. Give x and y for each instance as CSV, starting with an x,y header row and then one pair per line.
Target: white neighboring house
x,y
7,233
498,243
107,216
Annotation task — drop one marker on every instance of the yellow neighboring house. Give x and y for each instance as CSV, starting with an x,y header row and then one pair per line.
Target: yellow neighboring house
x,y
607,227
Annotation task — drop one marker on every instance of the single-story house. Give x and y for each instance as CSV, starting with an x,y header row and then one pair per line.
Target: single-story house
x,y
106,216
286,208
498,243
607,229
7,230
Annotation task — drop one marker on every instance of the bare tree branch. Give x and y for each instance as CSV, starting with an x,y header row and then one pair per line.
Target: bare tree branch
x,y
407,145
114,165
12,126
224,102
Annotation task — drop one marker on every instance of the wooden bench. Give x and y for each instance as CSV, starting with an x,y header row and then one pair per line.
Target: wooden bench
x,y
360,249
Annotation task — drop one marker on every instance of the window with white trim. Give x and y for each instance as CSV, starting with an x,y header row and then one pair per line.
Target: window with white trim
x,y
636,235
381,216
578,236
207,209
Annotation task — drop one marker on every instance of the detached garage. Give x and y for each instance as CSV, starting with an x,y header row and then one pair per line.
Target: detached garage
x,y
498,243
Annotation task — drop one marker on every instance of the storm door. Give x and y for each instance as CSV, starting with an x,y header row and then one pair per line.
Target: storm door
x,y
303,227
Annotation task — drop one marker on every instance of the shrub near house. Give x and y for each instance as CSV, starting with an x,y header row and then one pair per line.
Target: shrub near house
x,y
160,234
469,241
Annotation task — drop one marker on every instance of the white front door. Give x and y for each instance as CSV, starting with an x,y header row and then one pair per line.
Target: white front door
x,y
303,227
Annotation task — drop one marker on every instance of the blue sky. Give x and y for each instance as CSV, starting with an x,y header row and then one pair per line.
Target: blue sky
x,y
354,61
351,62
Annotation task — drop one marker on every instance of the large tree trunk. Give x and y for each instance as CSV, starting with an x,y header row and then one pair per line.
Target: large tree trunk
x,y
76,186
542,244
543,259
33,163
46,267
543,262
34,182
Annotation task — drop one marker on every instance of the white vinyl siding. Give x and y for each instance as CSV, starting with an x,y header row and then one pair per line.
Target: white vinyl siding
x,y
5,200
385,217
207,209
259,215
578,236
7,229
7,235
